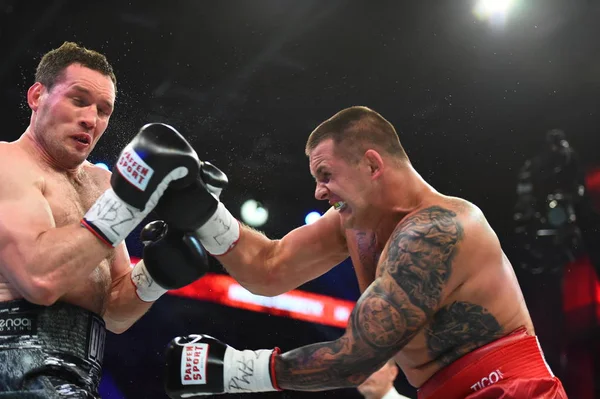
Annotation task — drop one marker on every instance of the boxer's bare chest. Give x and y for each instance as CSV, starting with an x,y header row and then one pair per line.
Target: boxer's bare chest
x,y
69,197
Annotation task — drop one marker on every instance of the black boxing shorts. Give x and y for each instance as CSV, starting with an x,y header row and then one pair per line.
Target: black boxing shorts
x,y
49,351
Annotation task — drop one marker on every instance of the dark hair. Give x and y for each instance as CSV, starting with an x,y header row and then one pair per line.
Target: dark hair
x,y
53,64
356,129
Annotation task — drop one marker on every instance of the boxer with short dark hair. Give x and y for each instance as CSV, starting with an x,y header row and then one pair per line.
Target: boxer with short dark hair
x,y
65,274
438,294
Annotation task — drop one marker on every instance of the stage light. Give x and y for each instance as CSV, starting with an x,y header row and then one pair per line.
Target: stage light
x,y
253,213
102,165
493,9
312,217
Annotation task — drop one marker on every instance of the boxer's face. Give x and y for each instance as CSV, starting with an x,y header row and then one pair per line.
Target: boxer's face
x,y
343,184
70,118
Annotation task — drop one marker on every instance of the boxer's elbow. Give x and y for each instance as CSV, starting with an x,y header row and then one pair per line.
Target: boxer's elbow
x,y
264,290
267,285
116,327
274,280
46,288
260,271
118,330
40,291
20,268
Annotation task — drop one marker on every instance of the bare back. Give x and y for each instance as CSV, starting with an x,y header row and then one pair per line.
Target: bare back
x,y
481,298
66,200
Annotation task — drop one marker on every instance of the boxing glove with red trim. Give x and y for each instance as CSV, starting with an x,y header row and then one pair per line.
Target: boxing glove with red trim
x,y
158,156
200,365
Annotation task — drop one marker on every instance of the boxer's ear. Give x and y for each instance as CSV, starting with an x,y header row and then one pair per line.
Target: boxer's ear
x,y
34,94
374,162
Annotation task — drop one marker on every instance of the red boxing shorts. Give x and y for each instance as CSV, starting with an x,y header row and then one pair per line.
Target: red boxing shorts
x,y
512,367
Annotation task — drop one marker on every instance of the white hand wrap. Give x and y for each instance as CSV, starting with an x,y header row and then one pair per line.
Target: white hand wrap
x,y
146,289
247,371
115,219
220,233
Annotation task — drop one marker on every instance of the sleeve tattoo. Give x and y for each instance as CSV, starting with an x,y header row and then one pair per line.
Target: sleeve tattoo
x,y
406,293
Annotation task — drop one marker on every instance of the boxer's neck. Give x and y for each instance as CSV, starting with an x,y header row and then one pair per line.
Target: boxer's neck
x,y
29,143
403,192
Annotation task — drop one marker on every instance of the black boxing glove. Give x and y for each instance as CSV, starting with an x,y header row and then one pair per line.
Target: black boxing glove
x,y
197,207
172,259
156,157
200,365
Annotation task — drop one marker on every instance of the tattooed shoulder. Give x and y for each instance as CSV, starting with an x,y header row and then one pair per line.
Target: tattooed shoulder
x,y
420,259
420,254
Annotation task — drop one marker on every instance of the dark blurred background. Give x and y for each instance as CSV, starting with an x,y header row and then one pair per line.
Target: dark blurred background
x,y
497,105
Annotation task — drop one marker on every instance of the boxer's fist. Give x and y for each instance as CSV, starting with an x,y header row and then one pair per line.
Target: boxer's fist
x,y
188,208
196,207
199,365
172,259
156,157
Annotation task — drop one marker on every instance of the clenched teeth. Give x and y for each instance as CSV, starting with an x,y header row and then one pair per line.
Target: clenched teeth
x,y
339,205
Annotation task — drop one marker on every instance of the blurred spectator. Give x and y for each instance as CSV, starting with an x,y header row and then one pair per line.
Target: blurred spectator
x,y
380,385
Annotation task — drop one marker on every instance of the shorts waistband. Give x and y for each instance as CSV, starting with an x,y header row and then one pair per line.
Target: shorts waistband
x,y
515,355
61,328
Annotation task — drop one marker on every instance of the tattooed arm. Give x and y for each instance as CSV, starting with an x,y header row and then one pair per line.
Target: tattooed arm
x,y
413,271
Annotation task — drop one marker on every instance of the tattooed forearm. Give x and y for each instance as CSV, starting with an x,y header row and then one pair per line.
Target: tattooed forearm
x,y
379,326
327,365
